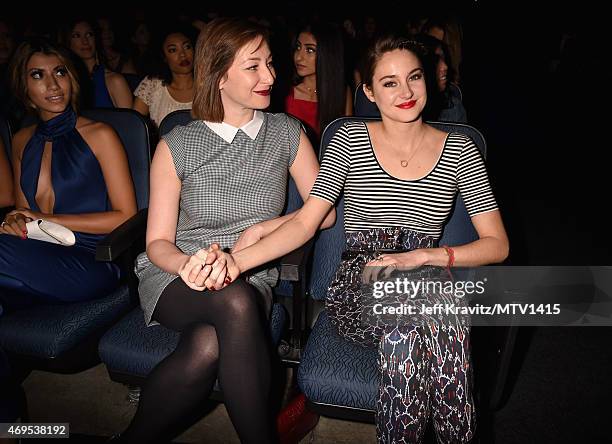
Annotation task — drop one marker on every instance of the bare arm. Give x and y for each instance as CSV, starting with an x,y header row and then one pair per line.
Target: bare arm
x,y
162,221
7,197
119,90
163,212
491,247
140,106
292,234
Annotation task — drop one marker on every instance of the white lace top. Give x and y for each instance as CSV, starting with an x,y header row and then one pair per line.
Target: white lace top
x,y
152,92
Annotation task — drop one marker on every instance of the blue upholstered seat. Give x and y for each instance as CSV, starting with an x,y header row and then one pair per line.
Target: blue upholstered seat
x,y
130,349
334,371
48,333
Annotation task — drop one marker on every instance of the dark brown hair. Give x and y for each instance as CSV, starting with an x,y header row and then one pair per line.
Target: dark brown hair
x,y
216,49
19,72
382,46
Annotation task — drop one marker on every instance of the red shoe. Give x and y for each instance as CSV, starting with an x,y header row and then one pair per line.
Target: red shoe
x,y
295,421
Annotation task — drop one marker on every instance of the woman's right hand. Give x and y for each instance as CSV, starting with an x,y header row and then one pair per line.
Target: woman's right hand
x,y
197,268
15,224
224,270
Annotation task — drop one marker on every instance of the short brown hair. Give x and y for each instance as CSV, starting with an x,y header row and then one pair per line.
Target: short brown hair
x,y
382,46
19,71
215,52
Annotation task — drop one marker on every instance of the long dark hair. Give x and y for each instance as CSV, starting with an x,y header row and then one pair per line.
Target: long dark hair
x,y
436,100
19,74
331,86
161,70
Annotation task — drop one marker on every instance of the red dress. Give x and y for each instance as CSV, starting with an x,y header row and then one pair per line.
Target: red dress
x,y
304,110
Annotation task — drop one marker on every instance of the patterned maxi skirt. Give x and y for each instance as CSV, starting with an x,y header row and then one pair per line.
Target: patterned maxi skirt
x,y
424,361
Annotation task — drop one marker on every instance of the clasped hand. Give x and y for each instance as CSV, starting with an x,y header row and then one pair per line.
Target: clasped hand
x,y
15,222
209,269
388,263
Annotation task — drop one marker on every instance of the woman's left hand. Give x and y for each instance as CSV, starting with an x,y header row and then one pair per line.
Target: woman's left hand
x,y
224,270
387,263
29,213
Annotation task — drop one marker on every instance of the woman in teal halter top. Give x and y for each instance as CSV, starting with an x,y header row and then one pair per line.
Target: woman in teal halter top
x,y
68,170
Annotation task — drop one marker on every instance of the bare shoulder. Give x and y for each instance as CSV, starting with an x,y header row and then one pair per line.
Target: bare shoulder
x,y
113,78
96,134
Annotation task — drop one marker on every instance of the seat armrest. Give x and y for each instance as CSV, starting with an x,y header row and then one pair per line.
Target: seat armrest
x,y
122,237
293,265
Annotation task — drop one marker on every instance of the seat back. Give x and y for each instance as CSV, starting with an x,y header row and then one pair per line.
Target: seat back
x,y
6,136
329,245
362,106
134,134
180,117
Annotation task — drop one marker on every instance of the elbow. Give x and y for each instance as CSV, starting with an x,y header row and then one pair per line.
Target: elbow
x,y
329,220
124,216
503,251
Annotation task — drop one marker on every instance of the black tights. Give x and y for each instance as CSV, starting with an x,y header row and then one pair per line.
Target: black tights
x,y
221,335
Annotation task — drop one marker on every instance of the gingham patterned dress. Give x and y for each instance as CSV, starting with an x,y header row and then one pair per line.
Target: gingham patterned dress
x,y
226,188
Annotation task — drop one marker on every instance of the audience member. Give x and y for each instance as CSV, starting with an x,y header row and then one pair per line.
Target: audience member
x,y
68,170
320,94
171,88
110,89
219,182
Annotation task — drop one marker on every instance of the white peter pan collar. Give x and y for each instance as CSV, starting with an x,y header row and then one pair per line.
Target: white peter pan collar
x,y
227,132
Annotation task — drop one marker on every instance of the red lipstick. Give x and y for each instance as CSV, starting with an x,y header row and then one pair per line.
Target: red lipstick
x,y
265,92
407,105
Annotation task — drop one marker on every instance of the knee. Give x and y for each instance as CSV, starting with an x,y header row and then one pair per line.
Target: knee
x,y
240,301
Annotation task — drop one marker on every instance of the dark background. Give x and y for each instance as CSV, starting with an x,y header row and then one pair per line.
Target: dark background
x,y
545,113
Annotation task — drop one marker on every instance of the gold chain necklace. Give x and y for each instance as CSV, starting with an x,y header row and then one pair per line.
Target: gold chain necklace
x,y
404,162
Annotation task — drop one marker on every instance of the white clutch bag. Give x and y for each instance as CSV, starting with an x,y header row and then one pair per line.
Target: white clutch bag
x,y
46,231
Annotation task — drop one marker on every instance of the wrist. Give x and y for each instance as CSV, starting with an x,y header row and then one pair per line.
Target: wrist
x,y
240,261
181,264
450,254
435,256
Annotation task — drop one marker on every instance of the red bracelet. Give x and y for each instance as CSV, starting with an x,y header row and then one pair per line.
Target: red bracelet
x,y
451,255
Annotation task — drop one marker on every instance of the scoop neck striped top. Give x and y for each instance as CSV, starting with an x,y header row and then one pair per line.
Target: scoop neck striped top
x,y
375,199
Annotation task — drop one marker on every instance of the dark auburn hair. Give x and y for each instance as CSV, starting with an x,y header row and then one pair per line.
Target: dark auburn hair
x,y
216,50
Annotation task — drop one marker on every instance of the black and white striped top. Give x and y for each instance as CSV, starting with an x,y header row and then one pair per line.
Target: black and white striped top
x,y
375,199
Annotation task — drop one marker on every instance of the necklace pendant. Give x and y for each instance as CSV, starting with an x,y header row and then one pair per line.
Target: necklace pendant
x,y
404,163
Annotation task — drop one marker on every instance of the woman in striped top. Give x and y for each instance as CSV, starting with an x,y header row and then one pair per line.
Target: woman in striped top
x,y
400,177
